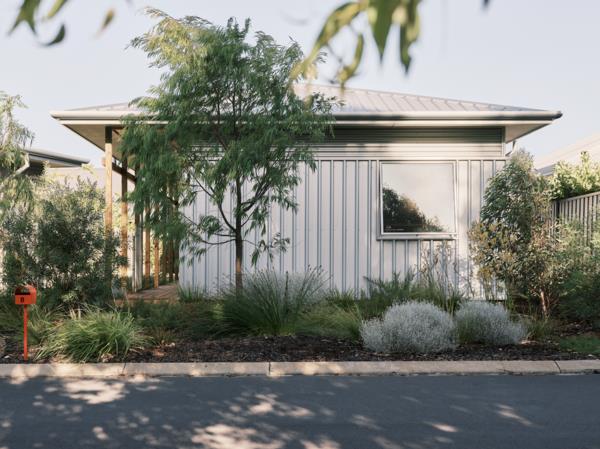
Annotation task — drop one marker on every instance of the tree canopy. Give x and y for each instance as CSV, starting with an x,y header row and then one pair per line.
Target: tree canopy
x,y
226,123
402,214
14,140
569,180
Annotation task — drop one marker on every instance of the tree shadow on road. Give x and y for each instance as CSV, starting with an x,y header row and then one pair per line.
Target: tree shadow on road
x,y
279,413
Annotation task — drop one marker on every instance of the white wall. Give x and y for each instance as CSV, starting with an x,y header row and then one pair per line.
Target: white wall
x,y
336,224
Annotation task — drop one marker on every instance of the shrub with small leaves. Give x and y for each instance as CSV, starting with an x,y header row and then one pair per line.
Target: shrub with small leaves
x,y
413,327
487,323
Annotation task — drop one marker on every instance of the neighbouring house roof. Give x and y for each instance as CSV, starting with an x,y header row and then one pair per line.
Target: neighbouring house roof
x,y
39,157
359,107
571,153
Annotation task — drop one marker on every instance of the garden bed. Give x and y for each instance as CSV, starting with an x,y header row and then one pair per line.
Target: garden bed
x,y
310,348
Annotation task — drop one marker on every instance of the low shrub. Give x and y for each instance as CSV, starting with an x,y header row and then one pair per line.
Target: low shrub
x,y
424,288
396,288
332,320
581,299
11,320
191,294
539,328
41,321
413,327
487,323
583,344
166,322
96,335
270,303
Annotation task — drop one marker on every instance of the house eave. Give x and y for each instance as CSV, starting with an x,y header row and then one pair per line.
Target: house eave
x,y
516,123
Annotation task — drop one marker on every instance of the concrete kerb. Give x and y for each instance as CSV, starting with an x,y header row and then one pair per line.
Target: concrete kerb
x,y
275,369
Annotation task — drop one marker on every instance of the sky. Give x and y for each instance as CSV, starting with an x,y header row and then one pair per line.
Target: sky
x,y
535,53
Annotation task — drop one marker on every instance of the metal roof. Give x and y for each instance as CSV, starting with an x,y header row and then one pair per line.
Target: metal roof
x,y
571,153
363,101
358,108
55,159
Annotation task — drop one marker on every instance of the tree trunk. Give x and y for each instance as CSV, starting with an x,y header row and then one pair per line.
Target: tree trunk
x,y
239,257
239,241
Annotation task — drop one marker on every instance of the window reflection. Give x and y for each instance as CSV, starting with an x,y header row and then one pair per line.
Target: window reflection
x,y
418,197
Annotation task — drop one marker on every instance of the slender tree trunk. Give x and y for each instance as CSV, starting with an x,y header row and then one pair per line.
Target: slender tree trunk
x,y
239,257
544,302
239,242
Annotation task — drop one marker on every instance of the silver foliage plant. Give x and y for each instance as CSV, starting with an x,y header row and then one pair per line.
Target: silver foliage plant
x,y
412,327
487,323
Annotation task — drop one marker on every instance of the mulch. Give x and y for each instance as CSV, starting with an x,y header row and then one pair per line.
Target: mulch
x,y
311,348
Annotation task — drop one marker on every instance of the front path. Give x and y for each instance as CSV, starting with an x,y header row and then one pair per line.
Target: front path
x,y
422,412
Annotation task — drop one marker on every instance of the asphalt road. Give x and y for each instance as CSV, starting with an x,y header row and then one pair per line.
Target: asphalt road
x,y
478,412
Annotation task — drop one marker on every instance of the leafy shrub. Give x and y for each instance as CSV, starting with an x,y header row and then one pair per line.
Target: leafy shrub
x,y
487,323
96,335
580,299
270,303
569,180
413,327
513,241
60,246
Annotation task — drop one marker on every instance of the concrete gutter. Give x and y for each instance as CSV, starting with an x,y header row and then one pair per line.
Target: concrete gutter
x,y
276,369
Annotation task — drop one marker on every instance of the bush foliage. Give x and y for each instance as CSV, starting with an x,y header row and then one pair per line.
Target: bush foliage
x,y
514,242
580,298
487,323
569,180
412,327
60,246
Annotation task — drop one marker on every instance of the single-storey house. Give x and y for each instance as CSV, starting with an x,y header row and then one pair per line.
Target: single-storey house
x,y
403,177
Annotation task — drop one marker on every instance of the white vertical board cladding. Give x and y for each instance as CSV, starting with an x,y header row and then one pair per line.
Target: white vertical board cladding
x,y
336,224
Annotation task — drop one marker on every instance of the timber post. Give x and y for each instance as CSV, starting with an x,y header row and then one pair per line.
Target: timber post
x,y
124,222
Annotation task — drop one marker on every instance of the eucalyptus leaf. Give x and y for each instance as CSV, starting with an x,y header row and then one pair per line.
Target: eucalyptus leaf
x,y
59,36
56,7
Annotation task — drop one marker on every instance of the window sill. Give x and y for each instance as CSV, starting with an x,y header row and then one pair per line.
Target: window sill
x,y
417,236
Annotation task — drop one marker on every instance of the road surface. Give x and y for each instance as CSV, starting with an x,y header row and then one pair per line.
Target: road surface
x,y
478,412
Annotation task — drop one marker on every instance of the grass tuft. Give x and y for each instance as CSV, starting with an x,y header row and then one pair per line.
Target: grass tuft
x,y
95,336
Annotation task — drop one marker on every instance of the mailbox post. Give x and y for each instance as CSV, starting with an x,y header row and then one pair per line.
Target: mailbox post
x,y
24,296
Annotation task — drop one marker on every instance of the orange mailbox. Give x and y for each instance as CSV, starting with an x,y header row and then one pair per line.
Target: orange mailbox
x,y
25,295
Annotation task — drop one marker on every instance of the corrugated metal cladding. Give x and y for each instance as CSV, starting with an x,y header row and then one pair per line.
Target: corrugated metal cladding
x,y
336,224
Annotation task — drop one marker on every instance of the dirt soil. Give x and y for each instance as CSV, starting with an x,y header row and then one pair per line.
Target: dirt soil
x,y
311,348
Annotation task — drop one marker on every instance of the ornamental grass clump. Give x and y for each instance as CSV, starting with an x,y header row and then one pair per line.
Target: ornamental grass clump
x,y
270,303
96,335
411,327
487,323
